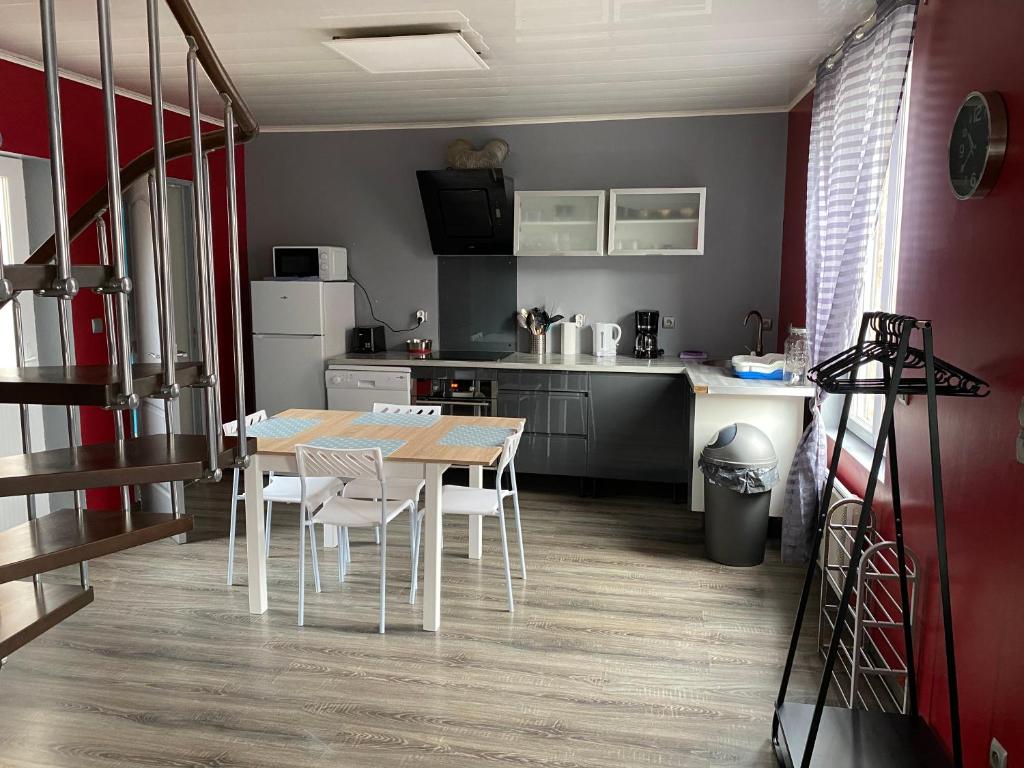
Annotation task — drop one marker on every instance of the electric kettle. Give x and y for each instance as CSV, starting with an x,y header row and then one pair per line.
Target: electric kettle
x,y
606,339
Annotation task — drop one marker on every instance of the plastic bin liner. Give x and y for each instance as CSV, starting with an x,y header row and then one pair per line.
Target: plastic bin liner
x,y
740,457
740,479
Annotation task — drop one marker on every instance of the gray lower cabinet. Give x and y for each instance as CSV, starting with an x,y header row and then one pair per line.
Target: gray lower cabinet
x,y
629,426
547,413
639,427
552,455
554,404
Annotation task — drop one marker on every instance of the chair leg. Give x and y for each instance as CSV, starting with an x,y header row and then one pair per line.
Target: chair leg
x,y
313,555
348,551
376,534
302,567
413,518
418,546
519,535
383,571
341,554
231,529
270,515
504,551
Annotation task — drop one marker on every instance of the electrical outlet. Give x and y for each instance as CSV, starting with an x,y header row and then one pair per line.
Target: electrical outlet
x,y
421,315
668,322
997,757
767,323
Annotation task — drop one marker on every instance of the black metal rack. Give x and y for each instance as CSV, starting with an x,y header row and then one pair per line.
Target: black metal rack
x,y
848,738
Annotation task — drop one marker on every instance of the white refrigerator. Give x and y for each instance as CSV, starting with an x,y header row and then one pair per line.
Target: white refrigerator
x,y
296,326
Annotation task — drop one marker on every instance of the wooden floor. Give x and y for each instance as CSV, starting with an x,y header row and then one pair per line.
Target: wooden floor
x,y
627,648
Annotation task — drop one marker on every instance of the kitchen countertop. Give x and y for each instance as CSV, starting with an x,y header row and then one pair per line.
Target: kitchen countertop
x,y
704,379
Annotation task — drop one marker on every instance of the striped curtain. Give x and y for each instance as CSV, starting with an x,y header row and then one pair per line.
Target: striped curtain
x,y
856,103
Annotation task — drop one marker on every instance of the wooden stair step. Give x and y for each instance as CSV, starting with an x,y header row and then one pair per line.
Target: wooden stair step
x,y
27,610
84,384
149,459
40,277
60,538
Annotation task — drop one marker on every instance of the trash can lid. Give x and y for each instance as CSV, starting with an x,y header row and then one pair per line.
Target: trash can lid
x,y
738,445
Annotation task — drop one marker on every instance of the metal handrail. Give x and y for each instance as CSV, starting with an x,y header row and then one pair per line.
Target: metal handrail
x,y
152,164
204,264
246,130
120,285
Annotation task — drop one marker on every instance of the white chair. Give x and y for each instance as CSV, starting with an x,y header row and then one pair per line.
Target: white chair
x,y
344,512
280,488
487,502
399,487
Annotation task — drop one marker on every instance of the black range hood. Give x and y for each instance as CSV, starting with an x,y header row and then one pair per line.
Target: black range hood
x,y
468,211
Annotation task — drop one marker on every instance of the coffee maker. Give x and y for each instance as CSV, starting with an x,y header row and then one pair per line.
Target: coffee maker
x,y
646,344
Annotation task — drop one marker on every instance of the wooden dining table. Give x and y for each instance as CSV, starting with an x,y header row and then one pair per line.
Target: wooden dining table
x,y
411,446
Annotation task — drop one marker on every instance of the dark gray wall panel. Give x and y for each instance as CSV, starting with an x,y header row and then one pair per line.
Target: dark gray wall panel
x,y
358,189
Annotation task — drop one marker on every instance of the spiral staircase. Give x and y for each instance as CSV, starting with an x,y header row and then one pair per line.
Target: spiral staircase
x,y
28,605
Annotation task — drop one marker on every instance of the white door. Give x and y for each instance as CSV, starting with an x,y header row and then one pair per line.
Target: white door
x,y
14,246
289,372
288,307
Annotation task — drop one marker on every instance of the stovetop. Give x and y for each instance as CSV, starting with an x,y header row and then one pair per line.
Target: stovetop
x,y
468,356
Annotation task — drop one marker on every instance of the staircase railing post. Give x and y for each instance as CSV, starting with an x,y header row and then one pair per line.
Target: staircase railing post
x,y
6,288
163,312
74,426
64,285
209,378
112,347
26,426
211,295
168,345
242,452
120,285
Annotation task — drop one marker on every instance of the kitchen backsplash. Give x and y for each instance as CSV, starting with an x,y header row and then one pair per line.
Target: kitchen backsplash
x,y
475,294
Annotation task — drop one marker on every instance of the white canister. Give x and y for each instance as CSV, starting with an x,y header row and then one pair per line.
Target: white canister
x,y
570,338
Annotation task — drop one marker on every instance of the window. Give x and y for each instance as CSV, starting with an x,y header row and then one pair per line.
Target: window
x,y
878,290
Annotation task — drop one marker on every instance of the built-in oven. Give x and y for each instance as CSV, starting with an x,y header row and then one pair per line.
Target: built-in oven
x,y
459,392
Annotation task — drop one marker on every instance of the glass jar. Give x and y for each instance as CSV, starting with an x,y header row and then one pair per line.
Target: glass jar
x,y
796,356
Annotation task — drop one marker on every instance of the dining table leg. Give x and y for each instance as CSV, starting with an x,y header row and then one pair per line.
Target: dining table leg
x,y
432,549
476,522
255,536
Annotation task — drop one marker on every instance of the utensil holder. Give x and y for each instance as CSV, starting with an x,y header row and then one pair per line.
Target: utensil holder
x,y
538,344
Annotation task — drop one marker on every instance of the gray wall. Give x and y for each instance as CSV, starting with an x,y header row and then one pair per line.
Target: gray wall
x,y
358,189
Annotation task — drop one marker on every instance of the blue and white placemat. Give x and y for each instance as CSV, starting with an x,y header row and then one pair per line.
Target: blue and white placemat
x,y
397,419
476,437
281,426
387,447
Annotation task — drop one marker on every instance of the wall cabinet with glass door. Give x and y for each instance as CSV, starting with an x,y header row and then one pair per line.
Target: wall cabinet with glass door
x,y
559,223
657,221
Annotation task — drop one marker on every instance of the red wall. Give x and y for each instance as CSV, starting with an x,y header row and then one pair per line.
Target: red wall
x,y
961,266
794,266
23,126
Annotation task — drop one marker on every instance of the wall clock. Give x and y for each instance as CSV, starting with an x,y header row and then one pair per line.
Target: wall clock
x,y
977,144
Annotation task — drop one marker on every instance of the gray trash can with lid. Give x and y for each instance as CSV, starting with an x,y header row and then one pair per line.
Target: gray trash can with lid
x,y
740,469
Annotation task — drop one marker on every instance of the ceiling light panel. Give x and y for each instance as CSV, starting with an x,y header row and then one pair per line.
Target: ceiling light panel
x,y
444,52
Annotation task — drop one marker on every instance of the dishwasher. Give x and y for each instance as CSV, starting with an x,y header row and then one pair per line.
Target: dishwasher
x,y
358,387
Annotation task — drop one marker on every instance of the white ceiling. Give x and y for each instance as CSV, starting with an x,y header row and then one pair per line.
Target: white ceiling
x,y
548,59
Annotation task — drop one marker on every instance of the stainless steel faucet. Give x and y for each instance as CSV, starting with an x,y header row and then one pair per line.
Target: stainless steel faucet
x,y
758,349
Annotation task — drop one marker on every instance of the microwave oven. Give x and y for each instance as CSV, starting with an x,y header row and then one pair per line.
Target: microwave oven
x,y
310,262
